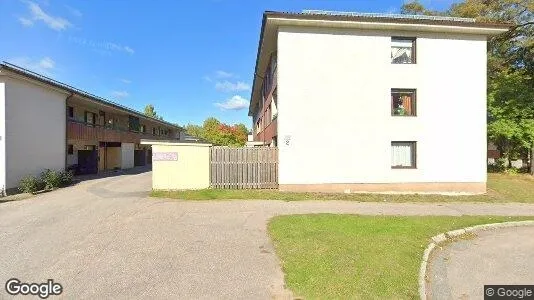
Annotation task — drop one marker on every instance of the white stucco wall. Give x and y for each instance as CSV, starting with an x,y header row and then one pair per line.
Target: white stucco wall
x,y
335,123
2,134
127,155
35,130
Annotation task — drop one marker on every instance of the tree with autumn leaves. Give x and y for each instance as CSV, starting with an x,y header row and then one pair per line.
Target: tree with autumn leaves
x,y
218,133
510,71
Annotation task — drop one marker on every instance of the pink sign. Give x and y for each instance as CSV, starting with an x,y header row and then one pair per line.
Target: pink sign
x,y
164,156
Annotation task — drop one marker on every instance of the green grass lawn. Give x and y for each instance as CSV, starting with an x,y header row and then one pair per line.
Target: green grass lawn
x,y
358,257
501,188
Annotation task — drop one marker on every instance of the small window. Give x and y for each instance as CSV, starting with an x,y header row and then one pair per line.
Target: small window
x,y
70,112
154,131
142,128
70,149
90,147
403,50
90,118
403,155
403,102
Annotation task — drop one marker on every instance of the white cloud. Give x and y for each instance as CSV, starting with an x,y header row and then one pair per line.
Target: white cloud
x,y
117,47
42,66
37,14
47,63
102,46
75,12
223,74
219,74
127,81
227,86
119,94
129,50
25,22
234,103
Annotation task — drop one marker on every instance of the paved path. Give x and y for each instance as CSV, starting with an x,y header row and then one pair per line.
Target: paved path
x,y
500,256
105,238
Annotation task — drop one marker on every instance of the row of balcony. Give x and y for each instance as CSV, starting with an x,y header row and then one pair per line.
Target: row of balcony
x,y
92,132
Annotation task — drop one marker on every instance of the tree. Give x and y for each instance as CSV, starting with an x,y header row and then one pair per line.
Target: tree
x,y
151,112
511,114
194,130
510,70
219,133
416,8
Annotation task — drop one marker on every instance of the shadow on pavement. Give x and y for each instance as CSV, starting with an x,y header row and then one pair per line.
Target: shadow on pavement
x,y
114,173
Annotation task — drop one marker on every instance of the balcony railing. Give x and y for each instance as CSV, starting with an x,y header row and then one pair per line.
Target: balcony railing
x,y
267,133
92,132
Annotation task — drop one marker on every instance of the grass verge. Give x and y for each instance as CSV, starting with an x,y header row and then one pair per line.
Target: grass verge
x,y
359,257
501,188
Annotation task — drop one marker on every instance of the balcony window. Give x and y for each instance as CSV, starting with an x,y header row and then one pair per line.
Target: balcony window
x,y
90,118
403,155
403,50
70,112
133,123
403,102
273,103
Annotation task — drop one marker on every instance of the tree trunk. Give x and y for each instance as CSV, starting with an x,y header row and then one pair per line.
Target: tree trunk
x,y
532,160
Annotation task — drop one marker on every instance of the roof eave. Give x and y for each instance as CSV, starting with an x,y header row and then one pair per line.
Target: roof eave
x,y
263,22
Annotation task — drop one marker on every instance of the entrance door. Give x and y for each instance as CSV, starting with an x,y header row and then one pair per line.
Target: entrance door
x,y
87,161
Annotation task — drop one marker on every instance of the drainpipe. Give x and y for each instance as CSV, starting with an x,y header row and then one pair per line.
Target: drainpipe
x,y
67,129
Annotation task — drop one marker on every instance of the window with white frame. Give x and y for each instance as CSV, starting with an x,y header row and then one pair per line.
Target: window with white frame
x,y
403,155
402,50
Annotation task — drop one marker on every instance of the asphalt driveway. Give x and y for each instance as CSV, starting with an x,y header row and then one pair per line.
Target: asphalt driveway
x,y
104,238
495,257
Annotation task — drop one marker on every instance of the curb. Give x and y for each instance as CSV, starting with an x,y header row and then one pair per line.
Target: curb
x,y
448,236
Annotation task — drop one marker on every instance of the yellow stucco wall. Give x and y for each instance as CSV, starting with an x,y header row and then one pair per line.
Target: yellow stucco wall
x,y
191,170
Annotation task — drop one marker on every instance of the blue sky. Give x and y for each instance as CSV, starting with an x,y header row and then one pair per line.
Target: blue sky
x,y
190,59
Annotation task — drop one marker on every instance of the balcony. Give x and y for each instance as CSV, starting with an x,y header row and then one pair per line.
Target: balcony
x,y
88,132
267,134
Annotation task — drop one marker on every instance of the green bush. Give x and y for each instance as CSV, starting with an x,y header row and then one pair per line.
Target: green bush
x,y
67,177
31,184
52,179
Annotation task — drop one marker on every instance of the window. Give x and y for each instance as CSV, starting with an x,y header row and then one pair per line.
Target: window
x,y
70,149
142,128
403,102
154,131
258,125
90,147
102,115
273,103
403,155
402,50
90,118
133,123
70,112
269,116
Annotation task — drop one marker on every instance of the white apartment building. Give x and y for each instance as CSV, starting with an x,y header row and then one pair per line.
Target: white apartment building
x,y
373,103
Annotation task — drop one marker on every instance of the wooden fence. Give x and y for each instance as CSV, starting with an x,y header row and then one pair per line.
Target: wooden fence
x,y
244,168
